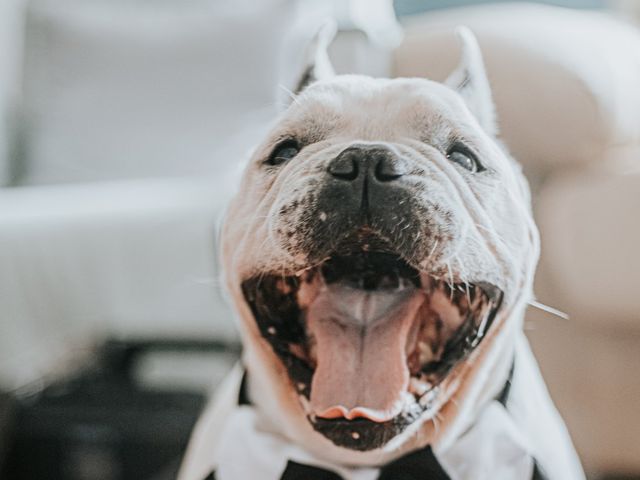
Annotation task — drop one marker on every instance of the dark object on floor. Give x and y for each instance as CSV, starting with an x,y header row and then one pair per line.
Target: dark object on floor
x,y
102,425
7,409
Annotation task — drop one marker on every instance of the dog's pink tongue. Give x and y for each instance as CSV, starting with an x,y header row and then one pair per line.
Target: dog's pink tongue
x,y
361,341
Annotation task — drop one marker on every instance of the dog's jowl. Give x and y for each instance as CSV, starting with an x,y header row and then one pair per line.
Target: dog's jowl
x,y
380,252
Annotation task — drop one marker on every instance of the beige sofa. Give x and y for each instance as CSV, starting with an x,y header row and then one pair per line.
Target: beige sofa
x,y
567,91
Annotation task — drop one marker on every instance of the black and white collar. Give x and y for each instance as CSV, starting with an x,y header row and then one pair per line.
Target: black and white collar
x,y
491,449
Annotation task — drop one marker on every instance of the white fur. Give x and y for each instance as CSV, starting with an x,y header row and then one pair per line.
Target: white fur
x,y
491,235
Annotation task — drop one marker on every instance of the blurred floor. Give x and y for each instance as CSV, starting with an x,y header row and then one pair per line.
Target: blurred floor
x,y
118,418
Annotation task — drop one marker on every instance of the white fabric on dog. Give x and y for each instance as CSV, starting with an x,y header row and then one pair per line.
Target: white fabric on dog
x,y
500,445
83,262
492,449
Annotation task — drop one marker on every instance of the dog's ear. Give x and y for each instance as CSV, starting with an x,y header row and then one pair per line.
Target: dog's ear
x,y
470,80
317,65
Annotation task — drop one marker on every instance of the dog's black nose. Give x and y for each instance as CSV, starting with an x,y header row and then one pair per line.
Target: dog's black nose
x,y
377,161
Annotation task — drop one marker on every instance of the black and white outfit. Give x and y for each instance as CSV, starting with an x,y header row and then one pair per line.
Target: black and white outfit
x,y
495,447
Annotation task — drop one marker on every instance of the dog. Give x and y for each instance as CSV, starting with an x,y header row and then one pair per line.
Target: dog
x,y
380,253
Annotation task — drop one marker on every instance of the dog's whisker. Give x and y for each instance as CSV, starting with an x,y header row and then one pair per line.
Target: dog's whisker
x,y
435,420
293,96
494,234
426,261
450,281
466,283
548,309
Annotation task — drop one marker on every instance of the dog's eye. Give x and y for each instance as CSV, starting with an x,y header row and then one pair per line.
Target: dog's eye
x,y
465,158
283,152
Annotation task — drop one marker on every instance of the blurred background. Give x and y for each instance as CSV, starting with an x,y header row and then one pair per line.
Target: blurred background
x,y
122,127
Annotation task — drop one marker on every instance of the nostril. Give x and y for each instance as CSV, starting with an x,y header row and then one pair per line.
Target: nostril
x,y
345,167
389,168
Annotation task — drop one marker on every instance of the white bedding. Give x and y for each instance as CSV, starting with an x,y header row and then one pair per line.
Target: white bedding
x,y
129,258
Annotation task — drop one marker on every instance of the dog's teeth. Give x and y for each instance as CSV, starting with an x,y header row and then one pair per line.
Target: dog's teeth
x,y
418,386
271,330
323,216
428,398
355,435
426,353
300,386
306,406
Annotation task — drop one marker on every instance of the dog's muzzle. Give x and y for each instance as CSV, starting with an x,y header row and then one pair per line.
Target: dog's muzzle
x,y
367,334
363,183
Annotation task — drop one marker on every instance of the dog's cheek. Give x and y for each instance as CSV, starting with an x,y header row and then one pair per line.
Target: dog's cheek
x,y
292,227
440,231
513,242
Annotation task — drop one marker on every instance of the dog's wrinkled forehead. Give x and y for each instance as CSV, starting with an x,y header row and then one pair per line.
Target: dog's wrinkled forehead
x,y
371,109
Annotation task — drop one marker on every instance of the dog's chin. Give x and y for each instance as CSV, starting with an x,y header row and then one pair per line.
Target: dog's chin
x,y
367,339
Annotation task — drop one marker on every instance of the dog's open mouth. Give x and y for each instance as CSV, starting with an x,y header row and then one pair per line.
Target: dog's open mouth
x,y
367,339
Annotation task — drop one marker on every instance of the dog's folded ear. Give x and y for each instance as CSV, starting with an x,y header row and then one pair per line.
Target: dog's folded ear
x,y
317,65
470,80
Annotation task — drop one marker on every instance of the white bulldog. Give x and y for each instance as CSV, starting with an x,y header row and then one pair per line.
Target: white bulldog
x,y
380,253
